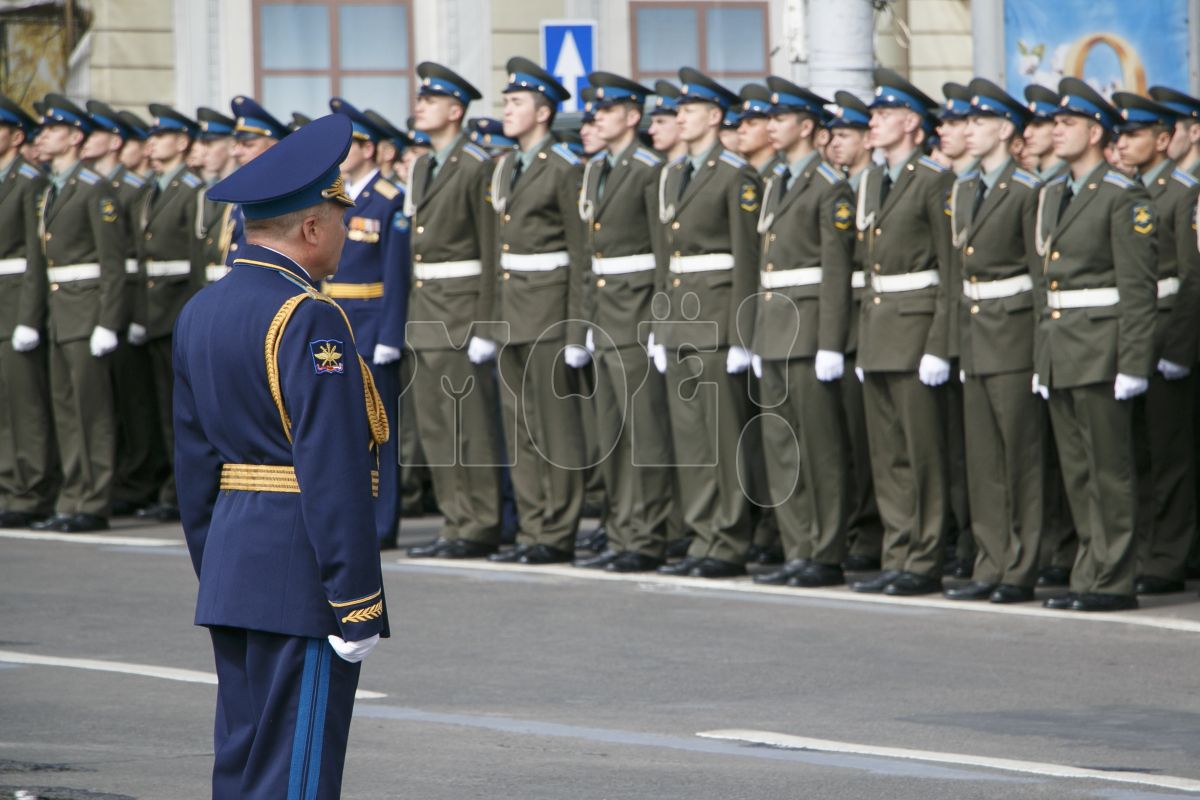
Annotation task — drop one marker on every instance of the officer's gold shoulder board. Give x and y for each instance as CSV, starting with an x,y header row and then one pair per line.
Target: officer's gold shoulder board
x,y
475,151
1117,179
29,171
564,152
108,210
843,215
929,163
1026,179
88,177
1143,219
732,159
748,199
386,188
1184,178
829,173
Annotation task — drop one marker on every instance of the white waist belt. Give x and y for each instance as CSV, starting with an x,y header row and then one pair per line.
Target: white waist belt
x,y
166,269
131,266
858,279
442,270
907,282
75,272
791,277
710,262
214,272
1166,287
1083,298
15,266
994,290
620,265
535,262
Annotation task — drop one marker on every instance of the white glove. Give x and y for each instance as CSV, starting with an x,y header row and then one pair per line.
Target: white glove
x,y
136,334
353,652
829,366
858,373
962,376
1039,389
480,351
737,360
1169,369
933,371
385,355
576,356
658,352
103,341
590,341
1129,386
25,338
756,365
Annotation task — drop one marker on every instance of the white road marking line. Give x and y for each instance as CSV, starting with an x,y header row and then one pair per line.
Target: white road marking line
x,y
126,668
90,538
789,742
745,586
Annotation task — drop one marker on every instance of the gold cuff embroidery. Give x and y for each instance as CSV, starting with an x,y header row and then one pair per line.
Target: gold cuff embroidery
x,y
366,599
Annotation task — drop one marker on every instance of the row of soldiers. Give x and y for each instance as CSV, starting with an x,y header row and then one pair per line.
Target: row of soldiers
x,y
765,346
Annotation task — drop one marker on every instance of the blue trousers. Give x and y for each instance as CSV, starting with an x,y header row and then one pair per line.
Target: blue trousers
x,y
387,505
283,716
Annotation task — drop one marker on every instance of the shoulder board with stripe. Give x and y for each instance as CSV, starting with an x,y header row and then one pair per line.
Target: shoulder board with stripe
x,y
646,157
565,154
1117,179
1059,179
1183,177
928,162
969,175
677,160
386,188
780,169
88,177
598,157
475,151
134,180
829,173
732,159
191,180
29,171
1026,178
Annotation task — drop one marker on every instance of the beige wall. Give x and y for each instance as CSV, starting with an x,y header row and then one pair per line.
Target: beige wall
x,y
938,38
132,61
515,27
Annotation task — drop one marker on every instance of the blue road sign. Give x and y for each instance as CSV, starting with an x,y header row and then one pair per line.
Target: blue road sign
x,y
569,54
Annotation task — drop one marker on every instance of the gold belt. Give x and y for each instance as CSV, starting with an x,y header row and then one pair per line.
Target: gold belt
x,y
270,478
353,291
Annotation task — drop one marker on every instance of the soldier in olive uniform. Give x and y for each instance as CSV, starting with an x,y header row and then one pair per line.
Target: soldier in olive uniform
x,y
1163,421
1094,350
664,123
619,204
903,345
709,201
803,315
172,259
538,311
214,222
27,455
83,241
993,209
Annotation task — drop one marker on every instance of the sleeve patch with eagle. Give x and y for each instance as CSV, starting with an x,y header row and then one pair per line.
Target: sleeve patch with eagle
x,y
1143,219
749,197
843,216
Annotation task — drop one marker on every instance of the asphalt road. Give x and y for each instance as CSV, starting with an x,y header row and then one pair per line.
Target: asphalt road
x,y
541,683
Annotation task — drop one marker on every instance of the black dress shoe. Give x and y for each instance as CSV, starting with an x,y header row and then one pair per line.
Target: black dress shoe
x,y
465,548
598,562
596,541
958,568
860,563
876,584
1152,584
681,567
429,550
910,584
1095,601
544,554
158,512
757,554
1054,576
679,548
779,577
509,556
1061,602
54,523
84,523
716,568
817,575
16,519
975,590
1007,593
126,508
633,562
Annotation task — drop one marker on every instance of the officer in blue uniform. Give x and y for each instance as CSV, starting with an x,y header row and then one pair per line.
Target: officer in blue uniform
x,y
372,286
279,456
254,132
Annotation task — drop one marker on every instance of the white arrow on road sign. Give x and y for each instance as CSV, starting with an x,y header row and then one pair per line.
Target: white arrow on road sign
x,y
569,70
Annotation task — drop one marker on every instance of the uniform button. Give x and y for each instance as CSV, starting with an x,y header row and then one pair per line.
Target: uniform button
x,y
677,254
1055,256
767,296
508,217
1055,314
860,236
674,226
596,226
974,309
675,282
150,284
419,284
1054,286
879,231
773,237
770,267
210,241
417,257
504,247
49,236
974,279
600,283
877,267
420,229
506,276
970,250
49,263
542,156
233,246
599,254
54,287
877,301
149,236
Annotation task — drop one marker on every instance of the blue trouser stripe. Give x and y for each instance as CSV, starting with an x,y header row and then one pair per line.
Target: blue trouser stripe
x,y
304,714
313,780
